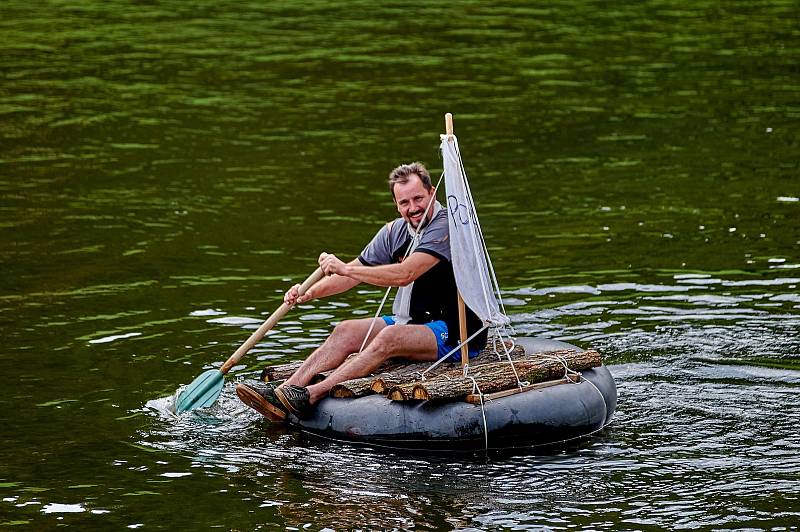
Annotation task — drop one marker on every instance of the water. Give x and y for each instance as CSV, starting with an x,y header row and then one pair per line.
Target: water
x,y
167,170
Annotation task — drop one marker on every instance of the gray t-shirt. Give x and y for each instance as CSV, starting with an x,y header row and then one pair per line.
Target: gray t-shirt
x,y
390,243
433,295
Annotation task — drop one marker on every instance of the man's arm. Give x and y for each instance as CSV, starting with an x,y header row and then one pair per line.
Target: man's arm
x,y
401,274
327,286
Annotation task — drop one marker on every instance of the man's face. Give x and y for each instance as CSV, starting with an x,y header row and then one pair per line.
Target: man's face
x,y
411,199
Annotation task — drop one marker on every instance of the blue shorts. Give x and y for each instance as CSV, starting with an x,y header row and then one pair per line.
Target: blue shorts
x,y
439,329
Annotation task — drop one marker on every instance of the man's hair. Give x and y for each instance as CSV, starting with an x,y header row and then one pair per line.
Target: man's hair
x,y
402,174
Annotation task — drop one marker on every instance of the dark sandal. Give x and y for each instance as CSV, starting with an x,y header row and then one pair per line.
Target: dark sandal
x,y
295,399
262,399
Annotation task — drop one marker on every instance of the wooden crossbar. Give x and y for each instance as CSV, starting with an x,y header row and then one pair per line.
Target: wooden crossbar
x,y
475,398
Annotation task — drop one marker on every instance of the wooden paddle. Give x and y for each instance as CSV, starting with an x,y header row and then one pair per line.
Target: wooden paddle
x,y
205,389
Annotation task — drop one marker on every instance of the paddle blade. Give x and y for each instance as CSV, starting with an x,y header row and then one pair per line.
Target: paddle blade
x,y
202,392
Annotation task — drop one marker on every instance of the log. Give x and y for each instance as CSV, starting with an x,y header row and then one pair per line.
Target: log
x,y
496,376
280,372
352,388
411,373
400,393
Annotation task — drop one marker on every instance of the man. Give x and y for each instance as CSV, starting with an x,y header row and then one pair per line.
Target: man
x,y
424,326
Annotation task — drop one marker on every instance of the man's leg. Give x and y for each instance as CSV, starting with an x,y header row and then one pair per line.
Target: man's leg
x,y
415,343
345,339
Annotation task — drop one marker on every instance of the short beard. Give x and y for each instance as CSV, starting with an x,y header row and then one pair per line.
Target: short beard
x,y
421,221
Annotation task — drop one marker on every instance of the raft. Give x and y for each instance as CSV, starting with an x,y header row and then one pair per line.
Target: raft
x,y
542,416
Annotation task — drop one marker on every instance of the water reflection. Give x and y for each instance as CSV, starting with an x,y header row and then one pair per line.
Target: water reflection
x,y
697,438
689,432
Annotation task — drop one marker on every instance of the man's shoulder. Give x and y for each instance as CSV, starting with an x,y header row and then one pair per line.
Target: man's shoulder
x,y
395,226
440,222
384,244
440,216
392,233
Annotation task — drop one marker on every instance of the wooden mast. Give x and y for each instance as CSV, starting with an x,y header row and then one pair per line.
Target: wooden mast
x,y
462,311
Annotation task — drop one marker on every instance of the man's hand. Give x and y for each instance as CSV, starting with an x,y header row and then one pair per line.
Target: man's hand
x,y
330,265
292,296
328,286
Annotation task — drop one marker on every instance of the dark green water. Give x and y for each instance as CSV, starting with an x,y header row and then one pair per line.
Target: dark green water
x,y
168,168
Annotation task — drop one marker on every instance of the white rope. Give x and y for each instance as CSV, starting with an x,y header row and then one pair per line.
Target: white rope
x,y
563,362
506,329
456,348
520,384
602,398
375,318
493,338
567,376
477,388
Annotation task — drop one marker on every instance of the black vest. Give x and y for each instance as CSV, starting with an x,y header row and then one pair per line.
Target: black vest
x,y
435,297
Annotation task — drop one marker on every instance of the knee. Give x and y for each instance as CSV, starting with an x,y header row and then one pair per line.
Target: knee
x,y
347,332
345,328
385,344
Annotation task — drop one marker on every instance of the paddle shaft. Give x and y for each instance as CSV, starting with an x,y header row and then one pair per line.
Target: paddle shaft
x,y
269,324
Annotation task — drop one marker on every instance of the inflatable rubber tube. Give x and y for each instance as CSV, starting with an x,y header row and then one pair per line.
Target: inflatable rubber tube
x,y
539,417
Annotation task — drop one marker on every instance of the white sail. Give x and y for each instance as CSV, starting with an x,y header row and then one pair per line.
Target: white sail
x,y
471,263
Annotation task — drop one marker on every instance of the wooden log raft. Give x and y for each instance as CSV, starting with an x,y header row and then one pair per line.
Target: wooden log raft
x,y
388,375
496,376
396,374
